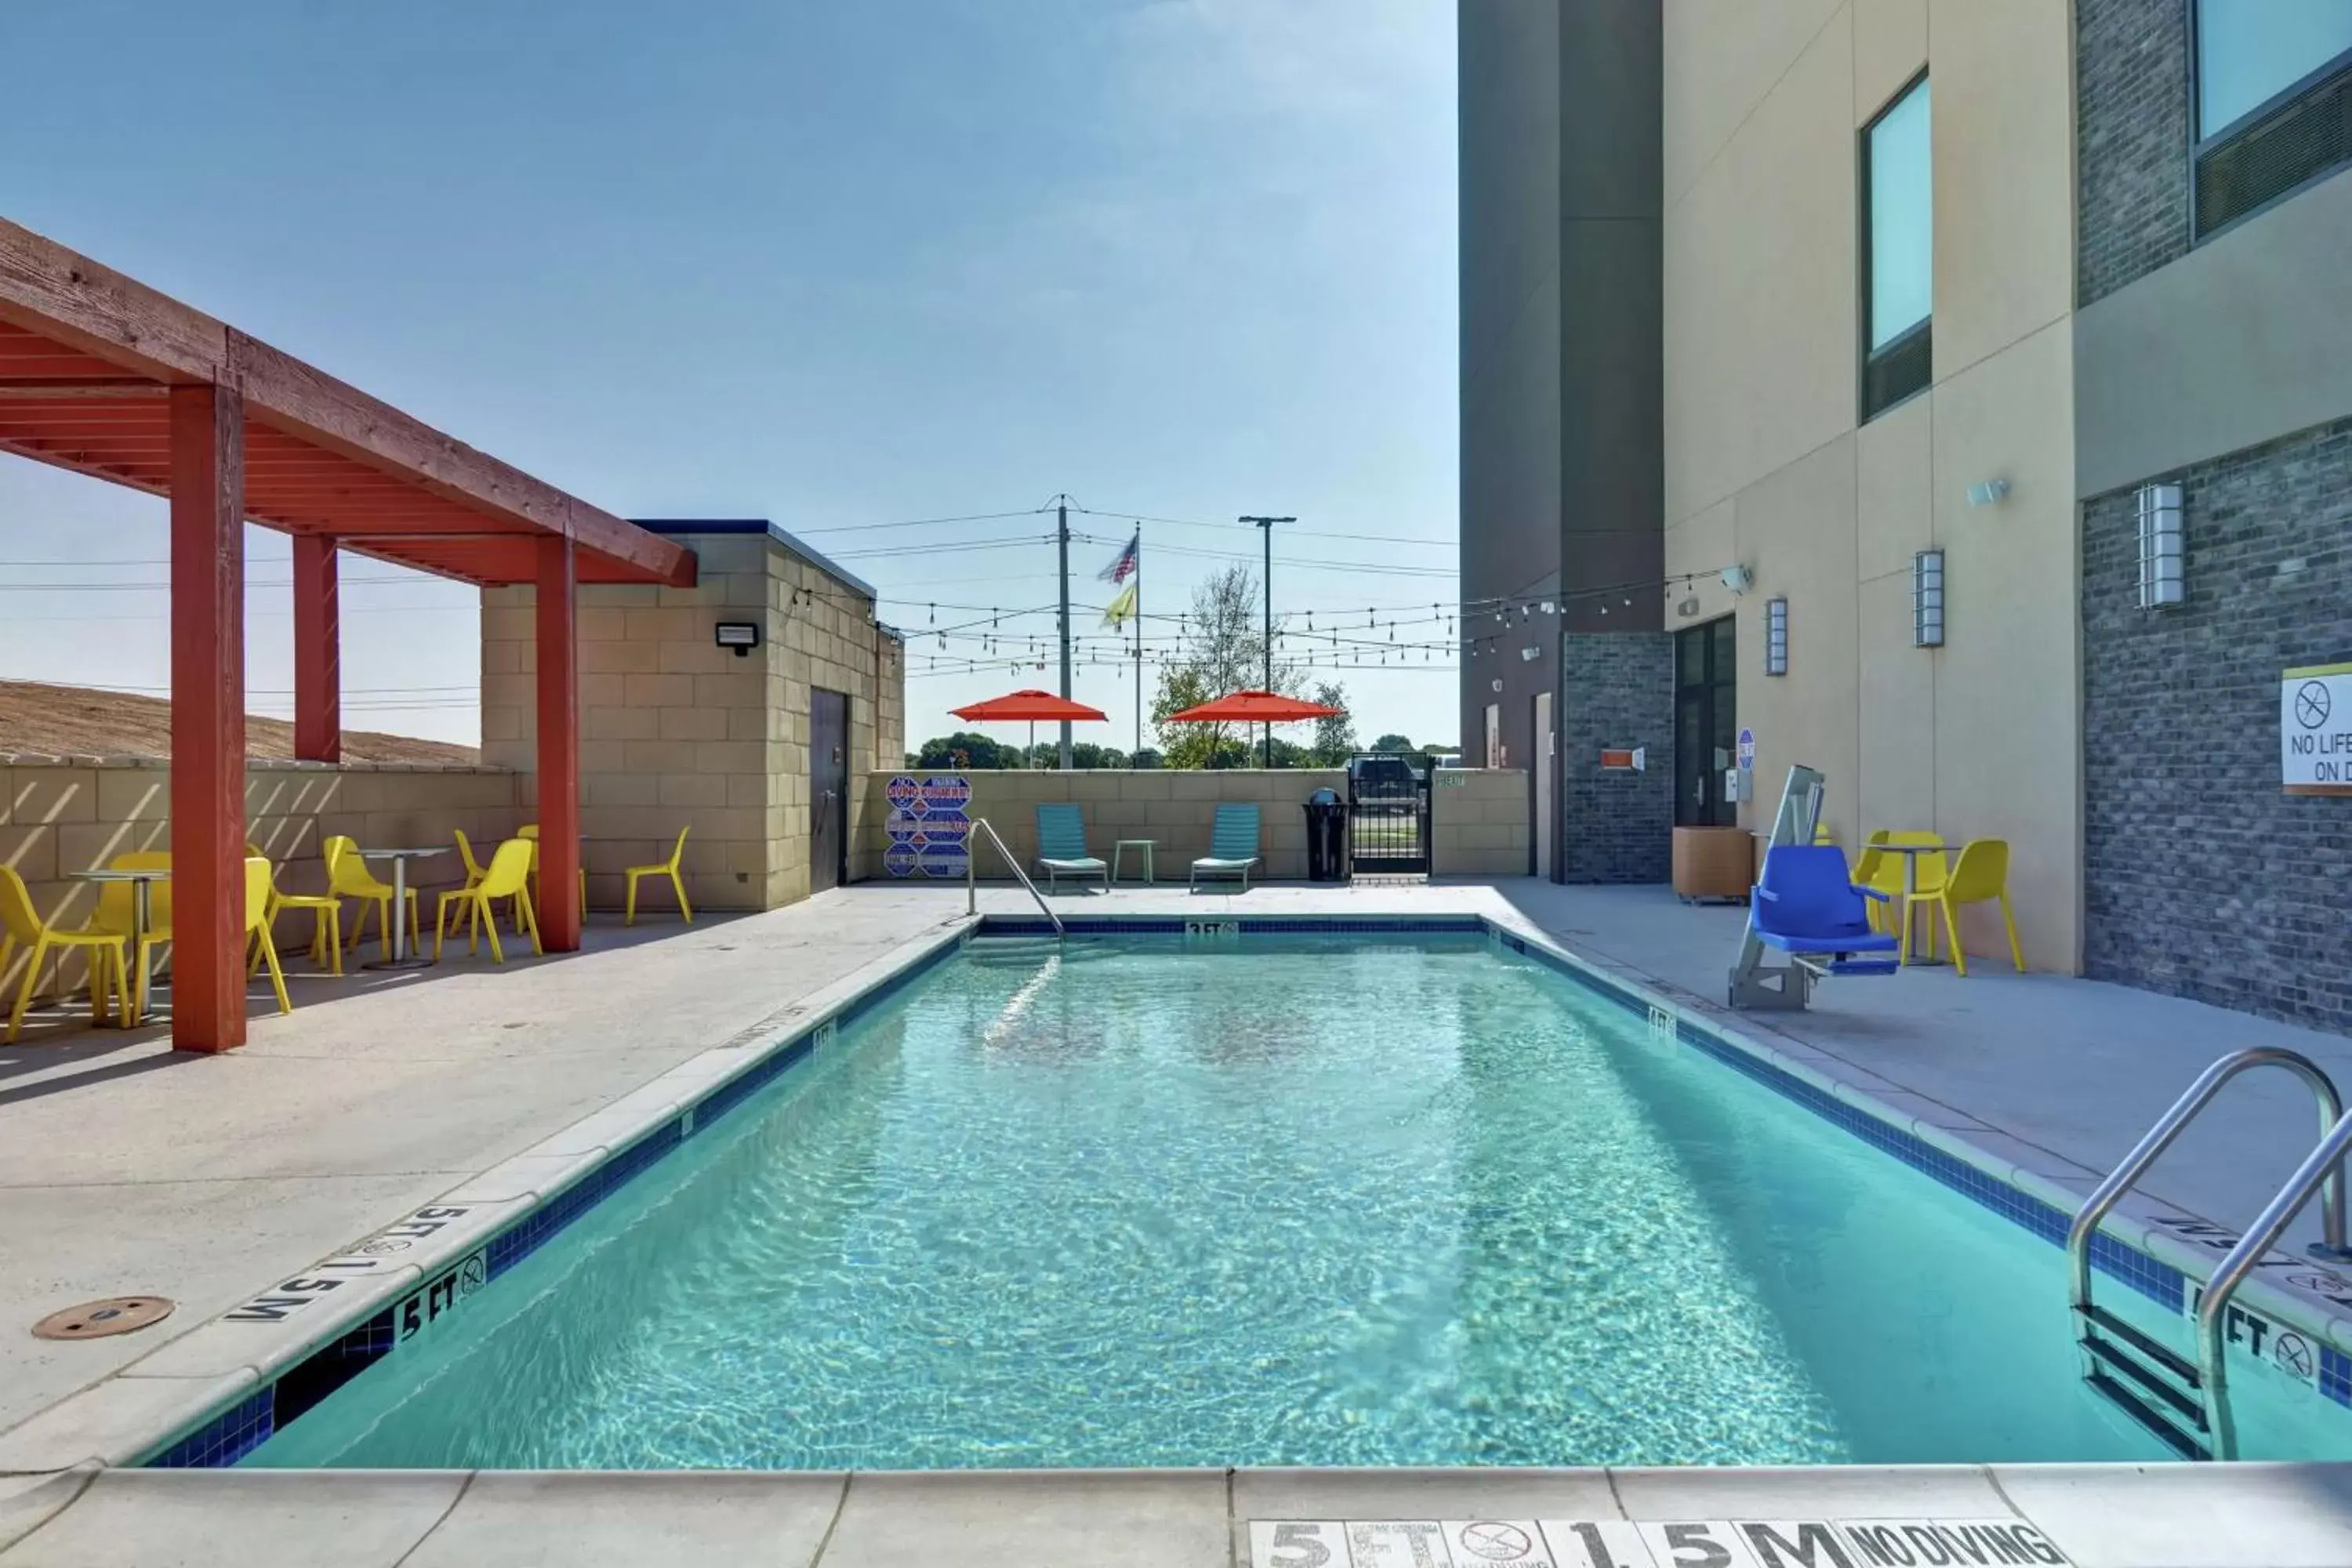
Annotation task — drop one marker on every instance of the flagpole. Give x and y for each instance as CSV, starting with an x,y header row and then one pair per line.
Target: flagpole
x,y
1138,638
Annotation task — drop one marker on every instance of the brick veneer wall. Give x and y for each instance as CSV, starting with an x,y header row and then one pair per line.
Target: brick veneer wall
x,y
1478,828
62,816
2201,880
2132,134
677,733
1617,691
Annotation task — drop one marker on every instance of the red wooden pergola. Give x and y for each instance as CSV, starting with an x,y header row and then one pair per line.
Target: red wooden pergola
x,y
105,376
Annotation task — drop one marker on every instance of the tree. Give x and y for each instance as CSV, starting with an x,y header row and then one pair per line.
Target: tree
x,y
964,748
1335,738
1397,744
1223,651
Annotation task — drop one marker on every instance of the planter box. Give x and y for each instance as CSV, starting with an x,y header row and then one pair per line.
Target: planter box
x,y
1714,862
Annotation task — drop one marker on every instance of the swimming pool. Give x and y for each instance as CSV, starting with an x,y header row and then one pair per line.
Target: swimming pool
x,y
1361,1199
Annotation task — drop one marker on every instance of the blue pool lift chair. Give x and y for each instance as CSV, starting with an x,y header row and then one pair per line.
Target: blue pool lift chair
x,y
1062,846
1808,907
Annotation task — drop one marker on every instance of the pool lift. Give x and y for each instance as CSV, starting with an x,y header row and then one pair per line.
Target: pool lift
x,y
1851,948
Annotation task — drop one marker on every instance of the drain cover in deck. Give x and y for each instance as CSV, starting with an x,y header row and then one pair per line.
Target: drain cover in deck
x,y
96,1320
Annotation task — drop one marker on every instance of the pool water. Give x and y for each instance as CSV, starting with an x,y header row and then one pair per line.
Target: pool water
x,y
1311,1200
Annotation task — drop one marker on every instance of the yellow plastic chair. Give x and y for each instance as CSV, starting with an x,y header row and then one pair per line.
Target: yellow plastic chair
x,y
1877,870
1980,875
326,920
530,830
1886,874
666,868
507,877
117,915
349,877
258,889
20,922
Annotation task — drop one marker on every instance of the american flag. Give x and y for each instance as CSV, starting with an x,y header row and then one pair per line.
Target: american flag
x,y
1120,570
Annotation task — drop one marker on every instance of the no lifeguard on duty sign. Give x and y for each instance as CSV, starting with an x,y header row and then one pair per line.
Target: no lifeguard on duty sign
x,y
2315,729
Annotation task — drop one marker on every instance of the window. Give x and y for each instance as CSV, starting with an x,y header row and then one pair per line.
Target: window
x,y
1898,244
1706,723
2274,102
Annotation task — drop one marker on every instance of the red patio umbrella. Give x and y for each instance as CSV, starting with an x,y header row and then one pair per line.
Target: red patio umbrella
x,y
1255,707
1267,708
1031,705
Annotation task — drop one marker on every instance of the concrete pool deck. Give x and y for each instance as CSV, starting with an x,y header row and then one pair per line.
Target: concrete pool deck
x,y
131,1169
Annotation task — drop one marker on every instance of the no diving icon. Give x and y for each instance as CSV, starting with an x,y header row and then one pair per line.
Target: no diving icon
x,y
1497,1542
2312,704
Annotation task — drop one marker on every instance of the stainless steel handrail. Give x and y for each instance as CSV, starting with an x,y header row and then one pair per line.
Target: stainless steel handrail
x,y
971,880
2168,1127
2324,1165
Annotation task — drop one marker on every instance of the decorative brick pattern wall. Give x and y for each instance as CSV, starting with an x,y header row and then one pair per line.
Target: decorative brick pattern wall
x,y
2201,880
1478,828
74,813
2132,133
679,732
1618,689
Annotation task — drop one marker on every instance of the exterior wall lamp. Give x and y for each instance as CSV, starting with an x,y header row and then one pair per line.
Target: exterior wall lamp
x,y
1928,599
2161,553
1776,636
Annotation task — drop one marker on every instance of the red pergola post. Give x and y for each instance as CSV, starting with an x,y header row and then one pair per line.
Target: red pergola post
x,y
558,757
318,652
207,468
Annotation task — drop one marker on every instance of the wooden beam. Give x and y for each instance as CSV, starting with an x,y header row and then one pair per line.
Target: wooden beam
x,y
557,757
208,719
318,652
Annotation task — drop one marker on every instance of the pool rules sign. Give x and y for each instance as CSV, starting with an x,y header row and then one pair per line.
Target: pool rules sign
x,y
2315,729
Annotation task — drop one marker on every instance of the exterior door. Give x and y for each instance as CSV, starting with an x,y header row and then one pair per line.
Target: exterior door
x,y
1547,766
1706,723
828,788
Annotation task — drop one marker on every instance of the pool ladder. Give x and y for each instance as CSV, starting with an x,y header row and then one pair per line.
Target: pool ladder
x,y
2184,1402
972,877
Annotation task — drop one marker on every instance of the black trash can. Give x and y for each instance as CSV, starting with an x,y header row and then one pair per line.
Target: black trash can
x,y
1326,837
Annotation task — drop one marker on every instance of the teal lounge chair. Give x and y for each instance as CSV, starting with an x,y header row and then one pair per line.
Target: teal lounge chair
x,y
1062,846
1232,847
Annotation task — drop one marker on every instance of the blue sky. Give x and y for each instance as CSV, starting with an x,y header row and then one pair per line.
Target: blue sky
x,y
837,265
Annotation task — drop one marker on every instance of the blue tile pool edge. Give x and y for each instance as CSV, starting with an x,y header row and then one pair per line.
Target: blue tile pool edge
x,y
346,1348
1972,1173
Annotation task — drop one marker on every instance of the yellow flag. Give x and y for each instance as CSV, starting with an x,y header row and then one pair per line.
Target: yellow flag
x,y
1121,610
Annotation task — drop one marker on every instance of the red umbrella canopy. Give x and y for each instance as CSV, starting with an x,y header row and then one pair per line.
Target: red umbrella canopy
x,y
1031,705
1255,707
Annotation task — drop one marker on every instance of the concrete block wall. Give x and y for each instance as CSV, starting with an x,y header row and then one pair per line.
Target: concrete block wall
x,y
1478,822
680,733
1479,827
60,816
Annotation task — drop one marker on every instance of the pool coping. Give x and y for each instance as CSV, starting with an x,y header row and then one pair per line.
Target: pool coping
x,y
2097,1516
208,1396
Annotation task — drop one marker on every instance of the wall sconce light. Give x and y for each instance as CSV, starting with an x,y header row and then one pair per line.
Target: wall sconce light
x,y
1495,685
1988,493
1689,607
2160,550
1776,636
1928,599
741,636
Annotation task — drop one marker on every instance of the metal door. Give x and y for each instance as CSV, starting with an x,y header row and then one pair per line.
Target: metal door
x,y
828,789
1388,816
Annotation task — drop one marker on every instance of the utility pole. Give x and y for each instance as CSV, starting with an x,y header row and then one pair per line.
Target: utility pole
x,y
1265,529
1062,514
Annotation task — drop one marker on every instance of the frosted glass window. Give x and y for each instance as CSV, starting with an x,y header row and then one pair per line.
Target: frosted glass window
x,y
2249,51
1902,220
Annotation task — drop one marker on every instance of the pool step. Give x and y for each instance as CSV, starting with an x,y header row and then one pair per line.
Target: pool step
x,y
1028,951
2147,1380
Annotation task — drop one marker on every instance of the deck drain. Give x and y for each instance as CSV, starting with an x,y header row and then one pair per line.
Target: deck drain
x,y
96,1320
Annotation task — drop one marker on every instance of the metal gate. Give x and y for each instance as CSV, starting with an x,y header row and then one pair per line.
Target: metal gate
x,y
1388,816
